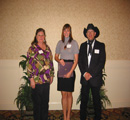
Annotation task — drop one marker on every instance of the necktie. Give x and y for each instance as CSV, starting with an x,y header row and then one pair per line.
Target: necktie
x,y
90,47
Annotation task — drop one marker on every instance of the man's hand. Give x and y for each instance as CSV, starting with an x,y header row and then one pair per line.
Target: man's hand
x,y
87,76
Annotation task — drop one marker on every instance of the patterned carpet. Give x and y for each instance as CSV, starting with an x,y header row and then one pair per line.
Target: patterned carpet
x,y
109,114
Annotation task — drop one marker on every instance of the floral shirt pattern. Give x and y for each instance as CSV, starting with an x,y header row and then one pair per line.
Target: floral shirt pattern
x,y
40,64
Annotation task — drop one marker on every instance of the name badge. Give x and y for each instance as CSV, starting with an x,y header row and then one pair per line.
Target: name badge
x,y
68,45
96,51
40,51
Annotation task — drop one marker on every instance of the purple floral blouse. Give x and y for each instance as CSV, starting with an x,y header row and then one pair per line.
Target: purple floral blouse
x,y
40,64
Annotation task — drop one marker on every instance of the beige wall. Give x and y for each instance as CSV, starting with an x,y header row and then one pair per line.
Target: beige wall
x,y
117,85
19,20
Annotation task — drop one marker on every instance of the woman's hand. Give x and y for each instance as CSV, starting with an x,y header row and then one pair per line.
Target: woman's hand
x,y
62,62
67,75
32,83
58,60
51,80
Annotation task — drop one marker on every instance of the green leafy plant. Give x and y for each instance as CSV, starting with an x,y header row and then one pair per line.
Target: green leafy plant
x,y
24,99
104,98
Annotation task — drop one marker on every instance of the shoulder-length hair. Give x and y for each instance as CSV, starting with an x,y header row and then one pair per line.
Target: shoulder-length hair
x,y
66,26
35,39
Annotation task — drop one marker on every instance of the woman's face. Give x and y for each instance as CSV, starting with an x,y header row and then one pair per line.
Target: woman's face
x,y
40,37
67,32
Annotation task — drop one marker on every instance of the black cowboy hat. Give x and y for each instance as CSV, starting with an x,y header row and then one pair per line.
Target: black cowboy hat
x,y
91,26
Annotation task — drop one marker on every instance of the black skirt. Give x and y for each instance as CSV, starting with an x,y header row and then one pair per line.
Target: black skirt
x,y
66,84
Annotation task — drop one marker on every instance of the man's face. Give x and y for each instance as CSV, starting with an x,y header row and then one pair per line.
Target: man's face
x,y
91,34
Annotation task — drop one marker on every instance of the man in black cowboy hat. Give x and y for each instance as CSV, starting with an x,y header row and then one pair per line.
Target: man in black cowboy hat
x,y
92,58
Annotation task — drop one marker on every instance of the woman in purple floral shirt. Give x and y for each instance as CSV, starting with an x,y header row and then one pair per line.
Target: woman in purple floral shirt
x,y
40,71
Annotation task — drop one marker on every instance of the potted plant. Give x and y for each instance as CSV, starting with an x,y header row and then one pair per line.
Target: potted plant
x,y
104,98
24,99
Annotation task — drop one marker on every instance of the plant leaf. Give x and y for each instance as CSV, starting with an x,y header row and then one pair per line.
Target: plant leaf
x,y
24,56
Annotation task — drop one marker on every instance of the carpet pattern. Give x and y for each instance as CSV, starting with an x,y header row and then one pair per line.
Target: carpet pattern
x,y
109,114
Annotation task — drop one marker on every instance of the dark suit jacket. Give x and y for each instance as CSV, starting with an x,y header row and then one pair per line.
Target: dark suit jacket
x,y
96,65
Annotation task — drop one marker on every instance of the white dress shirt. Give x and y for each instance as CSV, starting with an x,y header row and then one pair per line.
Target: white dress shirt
x,y
89,56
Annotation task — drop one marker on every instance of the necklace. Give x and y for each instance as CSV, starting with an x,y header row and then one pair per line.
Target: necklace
x,y
65,45
67,41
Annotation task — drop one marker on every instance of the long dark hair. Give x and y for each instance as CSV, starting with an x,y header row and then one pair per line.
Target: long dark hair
x,y
62,35
35,39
